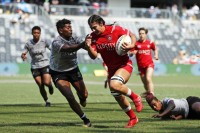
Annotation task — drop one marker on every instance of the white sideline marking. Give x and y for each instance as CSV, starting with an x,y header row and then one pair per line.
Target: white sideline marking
x,y
102,83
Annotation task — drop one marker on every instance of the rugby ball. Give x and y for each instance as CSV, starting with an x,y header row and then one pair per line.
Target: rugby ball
x,y
122,39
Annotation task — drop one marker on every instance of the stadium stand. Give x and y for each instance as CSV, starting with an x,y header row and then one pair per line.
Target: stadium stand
x,y
167,33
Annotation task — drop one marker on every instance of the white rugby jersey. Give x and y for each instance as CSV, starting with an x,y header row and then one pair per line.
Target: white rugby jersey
x,y
38,53
181,106
64,61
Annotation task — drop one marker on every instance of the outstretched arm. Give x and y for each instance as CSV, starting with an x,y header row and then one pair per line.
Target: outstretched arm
x,y
72,48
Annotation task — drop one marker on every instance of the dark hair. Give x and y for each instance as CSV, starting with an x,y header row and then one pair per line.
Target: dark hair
x,y
150,97
96,18
36,28
142,28
61,23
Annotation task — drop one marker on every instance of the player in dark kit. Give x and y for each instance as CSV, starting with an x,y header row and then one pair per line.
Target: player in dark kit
x,y
103,40
39,62
64,67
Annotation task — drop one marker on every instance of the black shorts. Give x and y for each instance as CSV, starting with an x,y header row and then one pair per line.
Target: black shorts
x,y
192,114
40,71
71,76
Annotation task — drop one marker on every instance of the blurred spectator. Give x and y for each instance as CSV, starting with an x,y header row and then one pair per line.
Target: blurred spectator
x,y
96,7
55,2
103,9
182,57
20,17
174,9
54,9
154,12
46,6
194,59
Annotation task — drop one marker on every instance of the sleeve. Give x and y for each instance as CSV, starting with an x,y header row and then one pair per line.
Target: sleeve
x,y
26,48
48,44
153,46
78,40
57,45
121,31
166,101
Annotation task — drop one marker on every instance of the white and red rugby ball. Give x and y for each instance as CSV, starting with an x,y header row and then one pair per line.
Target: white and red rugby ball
x,y
122,39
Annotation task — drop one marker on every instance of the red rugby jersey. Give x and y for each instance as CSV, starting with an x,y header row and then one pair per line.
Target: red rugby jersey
x,y
144,54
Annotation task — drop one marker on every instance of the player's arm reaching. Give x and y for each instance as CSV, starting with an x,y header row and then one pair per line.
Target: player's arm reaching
x,y
166,112
72,48
91,52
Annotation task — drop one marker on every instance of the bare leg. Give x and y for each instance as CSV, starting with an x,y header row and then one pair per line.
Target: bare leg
x,y
47,81
43,93
81,91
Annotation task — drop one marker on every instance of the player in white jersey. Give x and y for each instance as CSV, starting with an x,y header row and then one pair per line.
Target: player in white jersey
x,y
39,62
64,67
171,108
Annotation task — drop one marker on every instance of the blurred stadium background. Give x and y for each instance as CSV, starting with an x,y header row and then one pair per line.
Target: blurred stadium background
x,y
174,25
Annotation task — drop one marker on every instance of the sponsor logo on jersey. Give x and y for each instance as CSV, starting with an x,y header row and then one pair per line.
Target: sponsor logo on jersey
x,y
138,46
148,46
107,46
146,52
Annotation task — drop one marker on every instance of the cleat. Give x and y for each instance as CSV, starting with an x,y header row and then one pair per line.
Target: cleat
x,y
132,122
87,123
138,104
48,104
51,90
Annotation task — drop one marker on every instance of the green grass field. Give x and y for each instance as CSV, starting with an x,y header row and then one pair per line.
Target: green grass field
x,y
22,108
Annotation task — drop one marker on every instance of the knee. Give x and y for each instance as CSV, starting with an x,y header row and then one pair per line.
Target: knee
x,y
116,82
148,80
114,85
47,83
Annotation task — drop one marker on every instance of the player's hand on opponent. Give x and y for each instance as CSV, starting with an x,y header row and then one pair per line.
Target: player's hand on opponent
x,y
88,41
23,56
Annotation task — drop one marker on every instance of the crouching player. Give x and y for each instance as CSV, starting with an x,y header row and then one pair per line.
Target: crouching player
x,y
171,108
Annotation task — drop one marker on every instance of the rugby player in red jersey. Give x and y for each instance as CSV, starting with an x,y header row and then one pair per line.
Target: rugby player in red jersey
x,y
103,40
145,63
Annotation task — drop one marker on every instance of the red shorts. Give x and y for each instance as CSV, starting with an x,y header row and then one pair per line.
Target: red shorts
x,y
128,67
142,70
